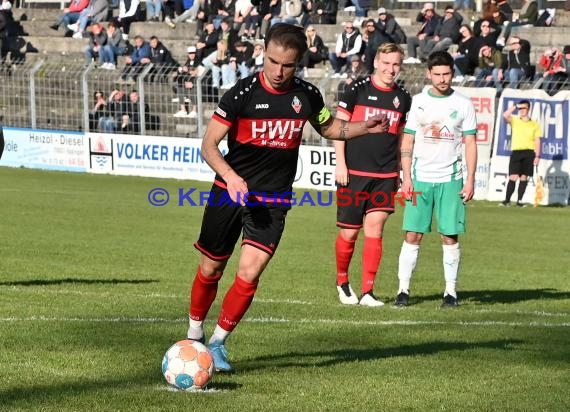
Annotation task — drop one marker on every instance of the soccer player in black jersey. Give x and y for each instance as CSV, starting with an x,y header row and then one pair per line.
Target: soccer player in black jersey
x,y
367,171
263,116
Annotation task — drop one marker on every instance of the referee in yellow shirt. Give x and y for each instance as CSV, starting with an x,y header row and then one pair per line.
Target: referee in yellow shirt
x,y
525,149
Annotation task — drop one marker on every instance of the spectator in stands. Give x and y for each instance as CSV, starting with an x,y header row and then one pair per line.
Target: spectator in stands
x,y
516,65
153,9
555,74
128,13
116,107
70,14
528,15
136,62
489,9
162,61
251,20
446,33
387,24
97,11
215,61
487,35
116,46
374,38
207,42
458,4
97,40
467,56
324,11
256,62
98,110
243,52
360,9
348,44
6,18
504,12
291,11
243,9
268,10
227,33
490,61
352,72
316,52
307,12
207,10
429,20
189,14
133,120
186,85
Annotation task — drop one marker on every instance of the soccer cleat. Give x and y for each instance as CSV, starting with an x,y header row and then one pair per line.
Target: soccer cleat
x,y
368,299
402,299
449,301
504,203
220,355
346,294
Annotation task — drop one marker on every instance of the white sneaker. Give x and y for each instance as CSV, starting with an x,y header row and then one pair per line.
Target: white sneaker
x,y
181,113
125,36
73,27
77,35
168,21
370,300
111,66
500,42
344,76
335,76
104,66
346,294
192,114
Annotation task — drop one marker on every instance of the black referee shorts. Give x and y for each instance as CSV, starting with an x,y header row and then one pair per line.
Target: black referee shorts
x,y
520,162
224,221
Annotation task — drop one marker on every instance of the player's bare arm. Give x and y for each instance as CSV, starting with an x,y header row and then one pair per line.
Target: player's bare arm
x,y
212,155
508,113
406,150
341,170
471,159
336,129
537,149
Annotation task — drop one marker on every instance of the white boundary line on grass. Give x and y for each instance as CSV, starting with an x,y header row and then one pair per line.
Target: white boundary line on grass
x,y
305,321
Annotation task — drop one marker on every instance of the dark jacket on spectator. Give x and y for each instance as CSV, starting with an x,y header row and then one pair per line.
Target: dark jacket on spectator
x,y
505,12
428,25
140,53
116,39
391,27
98,40
450,27
470,49
520,60
161,56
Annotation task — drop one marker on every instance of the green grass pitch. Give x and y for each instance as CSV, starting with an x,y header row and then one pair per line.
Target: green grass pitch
x,y
94,285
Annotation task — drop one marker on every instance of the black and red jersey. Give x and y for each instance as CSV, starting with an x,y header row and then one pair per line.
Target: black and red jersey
x,y
266,128
375,154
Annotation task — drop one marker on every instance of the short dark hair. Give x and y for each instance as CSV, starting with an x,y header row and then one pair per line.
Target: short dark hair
x,y
524,101
440,58
288,36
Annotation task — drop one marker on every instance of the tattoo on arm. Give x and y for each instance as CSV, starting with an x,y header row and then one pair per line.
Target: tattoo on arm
x,y
343,130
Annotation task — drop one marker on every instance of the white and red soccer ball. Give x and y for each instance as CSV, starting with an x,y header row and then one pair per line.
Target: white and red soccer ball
x,y
188,365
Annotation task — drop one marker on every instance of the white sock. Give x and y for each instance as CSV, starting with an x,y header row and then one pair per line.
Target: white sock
x,y
451,258
196,329
407,265
219,334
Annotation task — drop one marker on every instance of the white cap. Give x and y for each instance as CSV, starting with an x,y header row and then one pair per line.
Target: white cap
x,y
381,10
191,49
428,6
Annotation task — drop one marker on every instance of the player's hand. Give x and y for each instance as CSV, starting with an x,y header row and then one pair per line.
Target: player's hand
x,y
341,174
407,187
467,192
236,187
536,161
377,124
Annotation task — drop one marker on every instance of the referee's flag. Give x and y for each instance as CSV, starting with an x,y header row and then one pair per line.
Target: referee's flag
x,y
539,190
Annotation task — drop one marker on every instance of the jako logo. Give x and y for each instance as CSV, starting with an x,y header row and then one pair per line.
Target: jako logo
x,y
262,106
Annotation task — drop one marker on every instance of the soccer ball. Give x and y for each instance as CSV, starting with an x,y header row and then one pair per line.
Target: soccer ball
x,y
188,365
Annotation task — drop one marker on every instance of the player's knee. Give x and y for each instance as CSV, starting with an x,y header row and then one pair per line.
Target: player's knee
x,y
413,238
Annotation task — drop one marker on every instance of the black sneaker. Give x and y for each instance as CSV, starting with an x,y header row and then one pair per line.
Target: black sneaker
x,y
402,299
520,204
54,27
504,203
449,301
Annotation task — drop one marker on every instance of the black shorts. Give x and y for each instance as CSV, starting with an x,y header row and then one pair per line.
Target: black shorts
x,y
520,162
224,221
363,195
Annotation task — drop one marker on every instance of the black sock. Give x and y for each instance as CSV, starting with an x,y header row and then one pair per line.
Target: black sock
x,y
510,190
522,188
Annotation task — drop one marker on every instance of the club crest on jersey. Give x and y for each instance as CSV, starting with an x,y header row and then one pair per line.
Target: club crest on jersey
x,y
296,104
396,102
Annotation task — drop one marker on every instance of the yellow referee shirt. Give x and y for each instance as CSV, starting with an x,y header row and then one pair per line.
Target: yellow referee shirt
x,y
524,134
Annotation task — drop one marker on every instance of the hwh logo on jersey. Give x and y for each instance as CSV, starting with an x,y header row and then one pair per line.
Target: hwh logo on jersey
x,y
276,129
394,117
